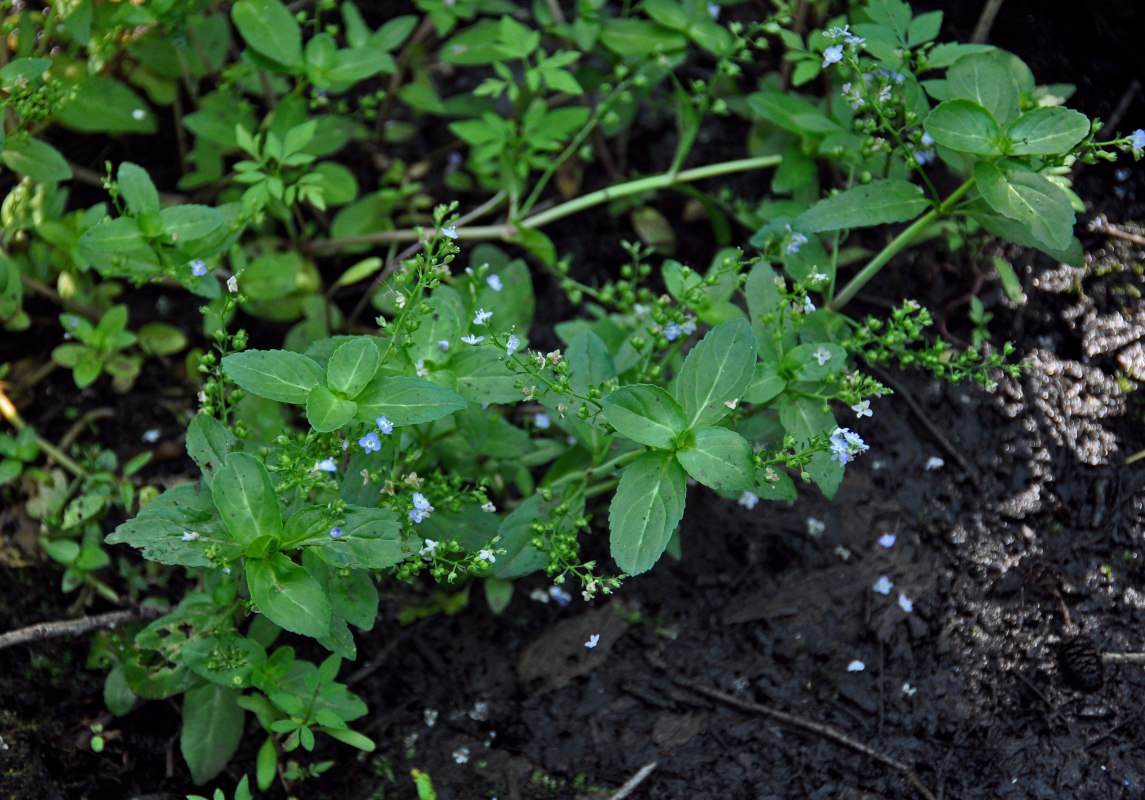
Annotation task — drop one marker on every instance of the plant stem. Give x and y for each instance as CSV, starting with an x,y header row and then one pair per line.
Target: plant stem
x,y
897,244
508,230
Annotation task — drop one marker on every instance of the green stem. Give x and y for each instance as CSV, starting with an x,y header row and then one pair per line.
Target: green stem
x,y
606,467
897,244
509,230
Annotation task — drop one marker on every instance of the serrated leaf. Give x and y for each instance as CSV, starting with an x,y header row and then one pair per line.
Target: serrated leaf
x,y
719,458
113,236
407,401
875,203
645,510
274,374
716,371
209,442
190,222
1047,131
245,498
212,730
645,414
965,126
792,113
288,595
1024,196
985,79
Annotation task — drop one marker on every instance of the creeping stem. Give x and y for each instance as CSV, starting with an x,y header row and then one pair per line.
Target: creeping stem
x,y
897,244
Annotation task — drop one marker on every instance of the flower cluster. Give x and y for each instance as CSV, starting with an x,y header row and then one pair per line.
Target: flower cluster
x,y
673,330
846,444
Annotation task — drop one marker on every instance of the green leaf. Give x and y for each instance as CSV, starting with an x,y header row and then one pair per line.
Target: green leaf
x,y
482,375
984,79
274,374
371,538
716,371
792,113
326,412
965,126
924,28
353,64
407,401
101,104
1016,232
352,738
288,596
1047,131
646,509
646,414
516,538
159,529
805,417
390,36
638,37
113,236
190,222
1024,196
894,14
270,29
720,459
441,324
766,384
209,442
875,203
353,366
137,188
36,159
212,730
245,498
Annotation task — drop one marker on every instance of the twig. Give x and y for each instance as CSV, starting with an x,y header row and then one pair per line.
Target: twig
x,y
1123,658
631,784
1101,225
76,627
985,21
818,728
930,426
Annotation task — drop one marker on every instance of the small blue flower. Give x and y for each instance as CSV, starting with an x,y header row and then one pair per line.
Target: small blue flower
x,y
905,603
542,421
450,232
713,11
560,596
198,268
593,641
482,316
883,585
370,442
494,283
856,666
748,500
326,465
672,331
846,444
887,540
472,339
688,326
512,346
443,346
832,55
421,509
385,425
335,532
795,240
1137,139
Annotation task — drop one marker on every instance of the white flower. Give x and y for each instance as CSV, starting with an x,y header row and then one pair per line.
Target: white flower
x,y
443,346
883,585
815,527
487,555
151,436
449,231
430,548
822,355
461,755
808,306
748,500
909,690
887,540
481,316
512,345
138,114
488,508
856,666
494,283
232,284
934,462
420,368
190,536
905,603
832,55
540,595
471,339
326,465
430,715
863,409
592,640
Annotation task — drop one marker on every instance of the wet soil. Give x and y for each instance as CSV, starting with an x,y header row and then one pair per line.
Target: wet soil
x,y
1020,560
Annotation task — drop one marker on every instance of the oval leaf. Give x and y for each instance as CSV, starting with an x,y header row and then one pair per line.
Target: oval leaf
x,y
964,126
716,371
245,497
212,730
36,159
352,366
407,401
720,459
288,596
326,412
1042,206
270,29
875,203
274,374
645,511
986,81
645,414
1047,131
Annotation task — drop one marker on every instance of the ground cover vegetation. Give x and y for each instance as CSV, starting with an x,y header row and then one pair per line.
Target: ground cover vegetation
x,y
368,193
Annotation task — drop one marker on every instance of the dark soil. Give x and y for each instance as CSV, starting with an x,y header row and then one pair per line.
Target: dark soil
x,y
1022,557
